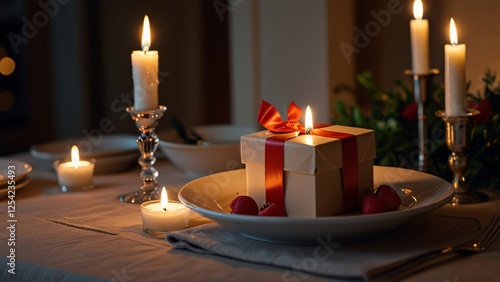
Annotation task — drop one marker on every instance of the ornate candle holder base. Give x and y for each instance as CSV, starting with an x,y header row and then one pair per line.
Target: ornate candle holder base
x,y
422,89
468,197
146,121
141,196
457,140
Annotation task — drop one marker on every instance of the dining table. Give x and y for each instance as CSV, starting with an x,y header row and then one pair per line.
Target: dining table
x,y
92,236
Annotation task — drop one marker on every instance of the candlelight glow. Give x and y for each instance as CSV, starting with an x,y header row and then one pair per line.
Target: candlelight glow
x,y
164,199
418,9
309,120
453,33
75,157
146,35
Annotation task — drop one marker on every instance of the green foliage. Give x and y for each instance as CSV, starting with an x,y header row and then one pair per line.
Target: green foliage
x,y
484,162
393,117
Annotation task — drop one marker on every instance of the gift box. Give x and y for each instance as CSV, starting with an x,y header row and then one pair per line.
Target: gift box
x,y
313,174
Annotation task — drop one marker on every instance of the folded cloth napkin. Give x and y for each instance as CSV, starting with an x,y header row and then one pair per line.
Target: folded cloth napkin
x,y
359,260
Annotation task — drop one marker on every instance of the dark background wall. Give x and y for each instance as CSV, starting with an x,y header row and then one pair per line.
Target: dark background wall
x,y
73,69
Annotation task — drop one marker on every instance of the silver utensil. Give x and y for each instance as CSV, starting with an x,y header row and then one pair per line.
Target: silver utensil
x,y
189,136
483,242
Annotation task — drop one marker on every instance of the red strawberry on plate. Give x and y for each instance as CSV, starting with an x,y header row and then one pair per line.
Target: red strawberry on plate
x,y
370,204
272,209
244,205
389,196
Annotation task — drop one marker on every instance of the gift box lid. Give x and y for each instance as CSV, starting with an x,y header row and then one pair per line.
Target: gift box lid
x,y
309,154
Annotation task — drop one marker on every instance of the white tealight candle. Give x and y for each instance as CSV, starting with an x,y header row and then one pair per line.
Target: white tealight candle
x,y
454,75
145,73
75,175
162,216
419,29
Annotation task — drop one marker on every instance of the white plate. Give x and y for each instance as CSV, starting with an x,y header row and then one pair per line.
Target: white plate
x,y
95,147
21,170
112,153
21,184
422,193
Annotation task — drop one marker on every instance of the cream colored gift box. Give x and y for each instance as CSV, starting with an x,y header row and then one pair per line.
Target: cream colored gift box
x,y
312,169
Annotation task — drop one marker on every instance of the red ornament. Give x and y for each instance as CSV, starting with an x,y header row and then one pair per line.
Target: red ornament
x,y
409,113
485,112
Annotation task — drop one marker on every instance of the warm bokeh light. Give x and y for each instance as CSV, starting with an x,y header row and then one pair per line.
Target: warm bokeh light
x,y
146,34
418,9
7,65
453,33
6,100
3,52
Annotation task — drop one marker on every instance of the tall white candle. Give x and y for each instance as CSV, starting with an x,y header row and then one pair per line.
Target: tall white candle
x,y
419,30
454,75
145,73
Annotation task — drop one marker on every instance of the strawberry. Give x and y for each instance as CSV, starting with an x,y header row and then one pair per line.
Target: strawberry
x,y
272,209
388,195
364,193
244,205
371,204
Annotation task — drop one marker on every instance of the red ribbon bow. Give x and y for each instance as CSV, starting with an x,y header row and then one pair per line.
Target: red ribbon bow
x,y
270,118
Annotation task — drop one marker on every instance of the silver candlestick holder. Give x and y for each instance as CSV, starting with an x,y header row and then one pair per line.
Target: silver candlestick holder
x,y
146,121
422,89
458,129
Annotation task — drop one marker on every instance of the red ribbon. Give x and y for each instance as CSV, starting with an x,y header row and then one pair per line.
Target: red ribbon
x,y
349,166
270,118
274,163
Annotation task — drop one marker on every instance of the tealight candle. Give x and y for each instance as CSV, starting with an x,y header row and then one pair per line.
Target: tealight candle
x,y
75,175
162,216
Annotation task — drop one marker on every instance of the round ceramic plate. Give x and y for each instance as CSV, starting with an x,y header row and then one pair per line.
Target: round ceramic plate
x,y
421,193
20,169
95,147
112,153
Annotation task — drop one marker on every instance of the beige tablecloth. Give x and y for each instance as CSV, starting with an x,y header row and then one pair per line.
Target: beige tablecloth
x,y
91,236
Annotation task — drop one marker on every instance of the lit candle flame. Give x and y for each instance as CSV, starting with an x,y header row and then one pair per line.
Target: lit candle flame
x,y
146,35
453,33
164,199
309,120
75,157
418,9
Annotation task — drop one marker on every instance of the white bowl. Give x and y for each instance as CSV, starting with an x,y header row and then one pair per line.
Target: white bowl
x,y
221,154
